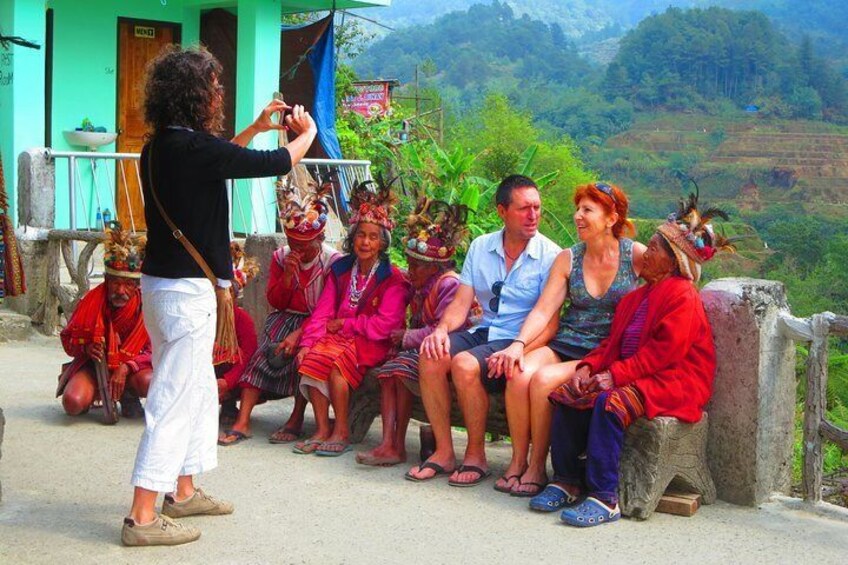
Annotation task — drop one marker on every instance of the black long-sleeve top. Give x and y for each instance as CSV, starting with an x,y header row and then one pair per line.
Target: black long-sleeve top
x,y
189,173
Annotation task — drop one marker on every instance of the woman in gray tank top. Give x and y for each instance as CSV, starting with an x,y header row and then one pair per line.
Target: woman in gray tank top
x,y
593,276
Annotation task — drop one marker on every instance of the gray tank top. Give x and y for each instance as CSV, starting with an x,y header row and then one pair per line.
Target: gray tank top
x,y
587,320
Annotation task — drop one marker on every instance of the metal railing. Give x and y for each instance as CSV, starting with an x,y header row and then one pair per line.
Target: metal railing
x,y
816,330
101,181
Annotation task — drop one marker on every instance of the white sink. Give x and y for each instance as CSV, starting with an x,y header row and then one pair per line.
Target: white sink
x,y
90,139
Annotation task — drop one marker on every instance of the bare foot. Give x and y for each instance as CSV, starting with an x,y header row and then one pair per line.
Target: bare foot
x,y
381,456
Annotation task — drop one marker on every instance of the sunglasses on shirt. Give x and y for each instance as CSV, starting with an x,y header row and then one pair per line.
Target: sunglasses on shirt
x,y
495,302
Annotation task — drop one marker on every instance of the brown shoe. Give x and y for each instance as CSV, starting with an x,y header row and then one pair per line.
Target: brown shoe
x,y
161,531
197,504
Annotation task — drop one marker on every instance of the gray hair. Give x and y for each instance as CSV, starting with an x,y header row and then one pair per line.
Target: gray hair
x,y
385,241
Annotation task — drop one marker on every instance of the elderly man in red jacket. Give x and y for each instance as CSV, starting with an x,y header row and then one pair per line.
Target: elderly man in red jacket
x,y
659,360
108,325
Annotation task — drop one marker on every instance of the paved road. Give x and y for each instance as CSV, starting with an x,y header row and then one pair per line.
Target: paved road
x,y
65,491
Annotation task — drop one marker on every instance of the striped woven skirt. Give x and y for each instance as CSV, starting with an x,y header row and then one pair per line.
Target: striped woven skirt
x,y
624,402
403,366
330,352
274,383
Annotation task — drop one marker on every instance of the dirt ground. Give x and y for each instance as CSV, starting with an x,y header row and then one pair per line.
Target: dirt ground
x,y
65,491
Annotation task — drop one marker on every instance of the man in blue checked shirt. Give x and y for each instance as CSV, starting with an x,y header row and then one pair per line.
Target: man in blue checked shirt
x,y
505,271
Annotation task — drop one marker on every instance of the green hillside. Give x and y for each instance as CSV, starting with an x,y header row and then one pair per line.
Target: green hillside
x,y
747,163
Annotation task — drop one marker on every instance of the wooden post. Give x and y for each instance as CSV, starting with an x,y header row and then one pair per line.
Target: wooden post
x,y
814,409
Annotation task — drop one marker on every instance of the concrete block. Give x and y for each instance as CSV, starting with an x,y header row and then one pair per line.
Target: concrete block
x,y
33,247
14,326
36,189
660,453
262,247
752,410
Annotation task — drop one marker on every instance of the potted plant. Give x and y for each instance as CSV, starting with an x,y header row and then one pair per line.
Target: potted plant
x,y
87,135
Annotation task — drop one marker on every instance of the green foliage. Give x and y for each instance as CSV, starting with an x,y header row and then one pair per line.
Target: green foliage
x,y
682,58
507,141
468,55
836,410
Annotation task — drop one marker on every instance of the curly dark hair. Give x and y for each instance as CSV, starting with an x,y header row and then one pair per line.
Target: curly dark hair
x,y
181,90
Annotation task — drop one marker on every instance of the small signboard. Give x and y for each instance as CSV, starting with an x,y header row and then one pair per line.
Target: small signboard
x,y
145,32
372,98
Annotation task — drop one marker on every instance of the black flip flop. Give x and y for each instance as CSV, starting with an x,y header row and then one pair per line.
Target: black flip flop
x,y
522,494
427,465
482,476
240,437
506,490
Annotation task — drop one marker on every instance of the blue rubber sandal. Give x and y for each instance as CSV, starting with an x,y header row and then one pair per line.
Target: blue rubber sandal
x,y
590,512
553,498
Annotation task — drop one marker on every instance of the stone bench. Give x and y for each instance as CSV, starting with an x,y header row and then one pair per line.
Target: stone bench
x,y
657,454
662,453
365,407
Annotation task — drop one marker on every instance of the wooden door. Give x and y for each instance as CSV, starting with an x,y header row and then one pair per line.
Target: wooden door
x,y
218,32
138,43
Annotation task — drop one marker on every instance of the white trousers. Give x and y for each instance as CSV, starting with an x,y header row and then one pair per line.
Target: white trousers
x,y
181,413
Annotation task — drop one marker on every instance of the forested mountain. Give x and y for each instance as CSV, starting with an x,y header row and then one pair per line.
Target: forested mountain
x,y
682,59
575,17
469,53
823,21
679,60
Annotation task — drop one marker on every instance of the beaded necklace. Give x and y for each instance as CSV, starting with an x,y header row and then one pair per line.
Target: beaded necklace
x,y
355,293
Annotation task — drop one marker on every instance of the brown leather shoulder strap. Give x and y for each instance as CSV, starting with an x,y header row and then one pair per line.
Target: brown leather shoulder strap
x,y
175,231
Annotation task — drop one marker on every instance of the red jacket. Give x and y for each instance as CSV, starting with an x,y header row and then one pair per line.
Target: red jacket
x,y
675,363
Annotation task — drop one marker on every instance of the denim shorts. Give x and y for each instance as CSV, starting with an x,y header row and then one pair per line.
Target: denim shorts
x,y
477,344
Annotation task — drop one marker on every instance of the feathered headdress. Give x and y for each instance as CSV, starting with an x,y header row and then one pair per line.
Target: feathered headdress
x,y
245,268
693,240
305,219
435,229
373,206
123,253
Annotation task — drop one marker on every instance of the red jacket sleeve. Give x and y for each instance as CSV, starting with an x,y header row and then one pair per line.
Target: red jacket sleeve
x,y
71,346
670,338
279,295
72,349
595,357
315,326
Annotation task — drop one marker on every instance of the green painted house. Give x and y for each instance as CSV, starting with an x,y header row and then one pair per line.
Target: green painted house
x,y
92,60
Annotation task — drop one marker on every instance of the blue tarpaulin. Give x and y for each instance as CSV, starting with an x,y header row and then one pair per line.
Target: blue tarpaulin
x,y
321,55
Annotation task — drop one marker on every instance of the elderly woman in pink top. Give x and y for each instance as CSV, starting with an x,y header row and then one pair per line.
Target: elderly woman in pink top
x,y
364,300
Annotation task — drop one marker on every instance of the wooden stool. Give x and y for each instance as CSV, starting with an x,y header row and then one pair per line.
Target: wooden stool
x,y
662,453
